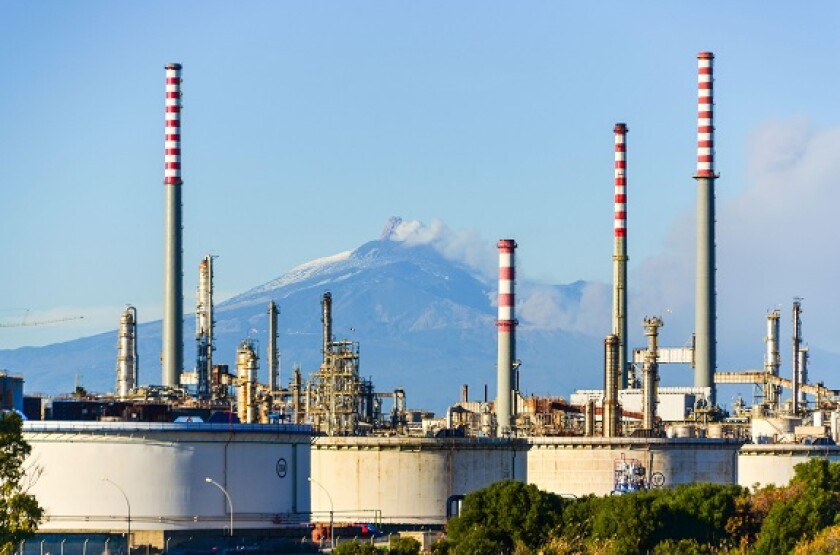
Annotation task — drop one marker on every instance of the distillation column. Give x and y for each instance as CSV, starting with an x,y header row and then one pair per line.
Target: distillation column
x,y
796,381
506,328
619,315
611,415
772,360
127,353
650,373
326,320
204,327
704,324
172,357
246,392
273,354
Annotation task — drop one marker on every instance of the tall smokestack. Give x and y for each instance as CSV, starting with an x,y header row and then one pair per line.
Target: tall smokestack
x,y
772,359
507,339
704,322
173,296
273,355
619,319
204,327
326,319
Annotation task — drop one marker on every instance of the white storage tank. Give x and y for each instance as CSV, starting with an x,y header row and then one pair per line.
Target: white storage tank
x,y
405,480
90,473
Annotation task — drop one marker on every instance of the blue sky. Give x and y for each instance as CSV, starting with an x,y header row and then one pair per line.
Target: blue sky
x,y
306,125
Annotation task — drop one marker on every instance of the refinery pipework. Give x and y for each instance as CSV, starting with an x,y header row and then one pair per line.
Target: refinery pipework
x,y
619,318
704,323
172,356
506,325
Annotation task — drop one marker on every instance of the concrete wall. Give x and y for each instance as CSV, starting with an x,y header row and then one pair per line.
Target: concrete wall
x,y
581,466
405,480
774,463
161,468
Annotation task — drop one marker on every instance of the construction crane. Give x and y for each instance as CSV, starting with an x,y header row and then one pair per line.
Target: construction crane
x,y
24,322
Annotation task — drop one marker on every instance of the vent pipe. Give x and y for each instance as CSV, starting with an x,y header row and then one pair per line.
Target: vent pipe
x,y
619,319
127,353
273,353
505,325
704,323
172,357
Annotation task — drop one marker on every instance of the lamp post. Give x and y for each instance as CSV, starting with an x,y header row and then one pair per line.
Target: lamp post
x,y
332,507
128,506
227,495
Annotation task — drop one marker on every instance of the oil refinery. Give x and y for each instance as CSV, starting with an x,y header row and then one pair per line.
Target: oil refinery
x,y
328,446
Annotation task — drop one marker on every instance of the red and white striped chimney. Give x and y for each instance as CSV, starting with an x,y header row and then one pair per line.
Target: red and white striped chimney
x,y
172,356
506,325
619,319
704,305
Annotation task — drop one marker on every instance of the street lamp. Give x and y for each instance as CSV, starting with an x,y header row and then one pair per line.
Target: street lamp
x,y
128,506
332,507
230,503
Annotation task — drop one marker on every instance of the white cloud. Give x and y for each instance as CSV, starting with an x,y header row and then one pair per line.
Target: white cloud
x,y
465,246
775,240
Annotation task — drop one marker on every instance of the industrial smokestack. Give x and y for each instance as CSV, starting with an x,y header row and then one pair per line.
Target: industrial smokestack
x,y
204,327
619,319
172,356
650,373
273,355
506,325
326,319
611,417
704,323
796,381
772,359
127,364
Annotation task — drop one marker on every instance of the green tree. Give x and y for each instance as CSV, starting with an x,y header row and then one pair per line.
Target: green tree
x,y
20,513
404,546
506,514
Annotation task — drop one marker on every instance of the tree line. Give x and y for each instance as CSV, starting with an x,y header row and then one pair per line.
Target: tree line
x,y
701,518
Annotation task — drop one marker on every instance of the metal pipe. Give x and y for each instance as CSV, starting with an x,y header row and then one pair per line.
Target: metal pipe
x,y
273,355
650,373
619,316
172,357
127,371
506,327
704,325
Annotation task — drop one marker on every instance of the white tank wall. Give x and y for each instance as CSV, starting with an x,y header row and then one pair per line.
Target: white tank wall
x,y
582,466
405,480
162,470
774,463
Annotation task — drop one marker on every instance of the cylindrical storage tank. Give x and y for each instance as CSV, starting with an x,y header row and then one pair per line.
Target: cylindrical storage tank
x,y
684,431
406,480
161,470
